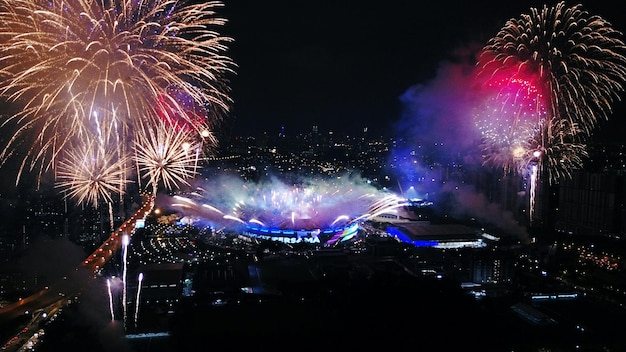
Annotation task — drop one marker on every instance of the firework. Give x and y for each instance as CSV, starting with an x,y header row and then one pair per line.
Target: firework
x,y
509,119
577,58
167,155
550,76
546,89
558,152
90,174
145,60
554,156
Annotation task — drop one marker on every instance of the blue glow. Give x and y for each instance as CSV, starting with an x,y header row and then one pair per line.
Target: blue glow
x,y
394,232
425,243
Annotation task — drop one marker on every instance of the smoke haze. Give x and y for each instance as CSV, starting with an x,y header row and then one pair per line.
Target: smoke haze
x,y
438,148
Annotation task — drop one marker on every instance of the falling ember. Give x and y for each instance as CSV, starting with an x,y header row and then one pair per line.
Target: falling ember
x,y
111,223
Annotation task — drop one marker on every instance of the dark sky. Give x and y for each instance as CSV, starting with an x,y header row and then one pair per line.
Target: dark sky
x,y
342,65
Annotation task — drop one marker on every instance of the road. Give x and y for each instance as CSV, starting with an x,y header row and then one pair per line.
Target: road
x,y
69,287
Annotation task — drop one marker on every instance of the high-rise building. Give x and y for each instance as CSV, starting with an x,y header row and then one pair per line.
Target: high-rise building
x,y
592,204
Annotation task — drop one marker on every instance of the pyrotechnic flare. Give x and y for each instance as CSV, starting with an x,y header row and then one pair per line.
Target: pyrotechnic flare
x,y
147,60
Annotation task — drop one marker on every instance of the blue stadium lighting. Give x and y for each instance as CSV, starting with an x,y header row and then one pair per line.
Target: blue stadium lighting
x,y
393,232
418,243
329,235
406,239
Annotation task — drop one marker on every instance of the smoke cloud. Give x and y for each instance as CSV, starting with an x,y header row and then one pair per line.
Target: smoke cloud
x,y
438,150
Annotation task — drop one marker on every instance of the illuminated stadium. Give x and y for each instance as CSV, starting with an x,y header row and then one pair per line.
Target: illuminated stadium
x,y
327,236
320,211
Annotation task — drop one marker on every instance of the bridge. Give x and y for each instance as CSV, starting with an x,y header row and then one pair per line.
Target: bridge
x,y
25,315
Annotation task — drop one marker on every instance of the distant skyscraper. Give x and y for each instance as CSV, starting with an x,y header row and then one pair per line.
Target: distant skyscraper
x,y
592,204
492,268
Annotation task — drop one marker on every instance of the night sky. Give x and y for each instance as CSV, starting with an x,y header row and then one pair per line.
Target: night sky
x,y
343,65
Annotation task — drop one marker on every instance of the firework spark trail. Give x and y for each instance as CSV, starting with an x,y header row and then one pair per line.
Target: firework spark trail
x,y
111,220
147,60
533,189
110,299
125,242
139,281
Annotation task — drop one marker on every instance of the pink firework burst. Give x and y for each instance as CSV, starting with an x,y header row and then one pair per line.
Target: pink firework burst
x,y
510,119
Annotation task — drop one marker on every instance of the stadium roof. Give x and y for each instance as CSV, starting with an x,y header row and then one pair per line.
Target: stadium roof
x,y
424,230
